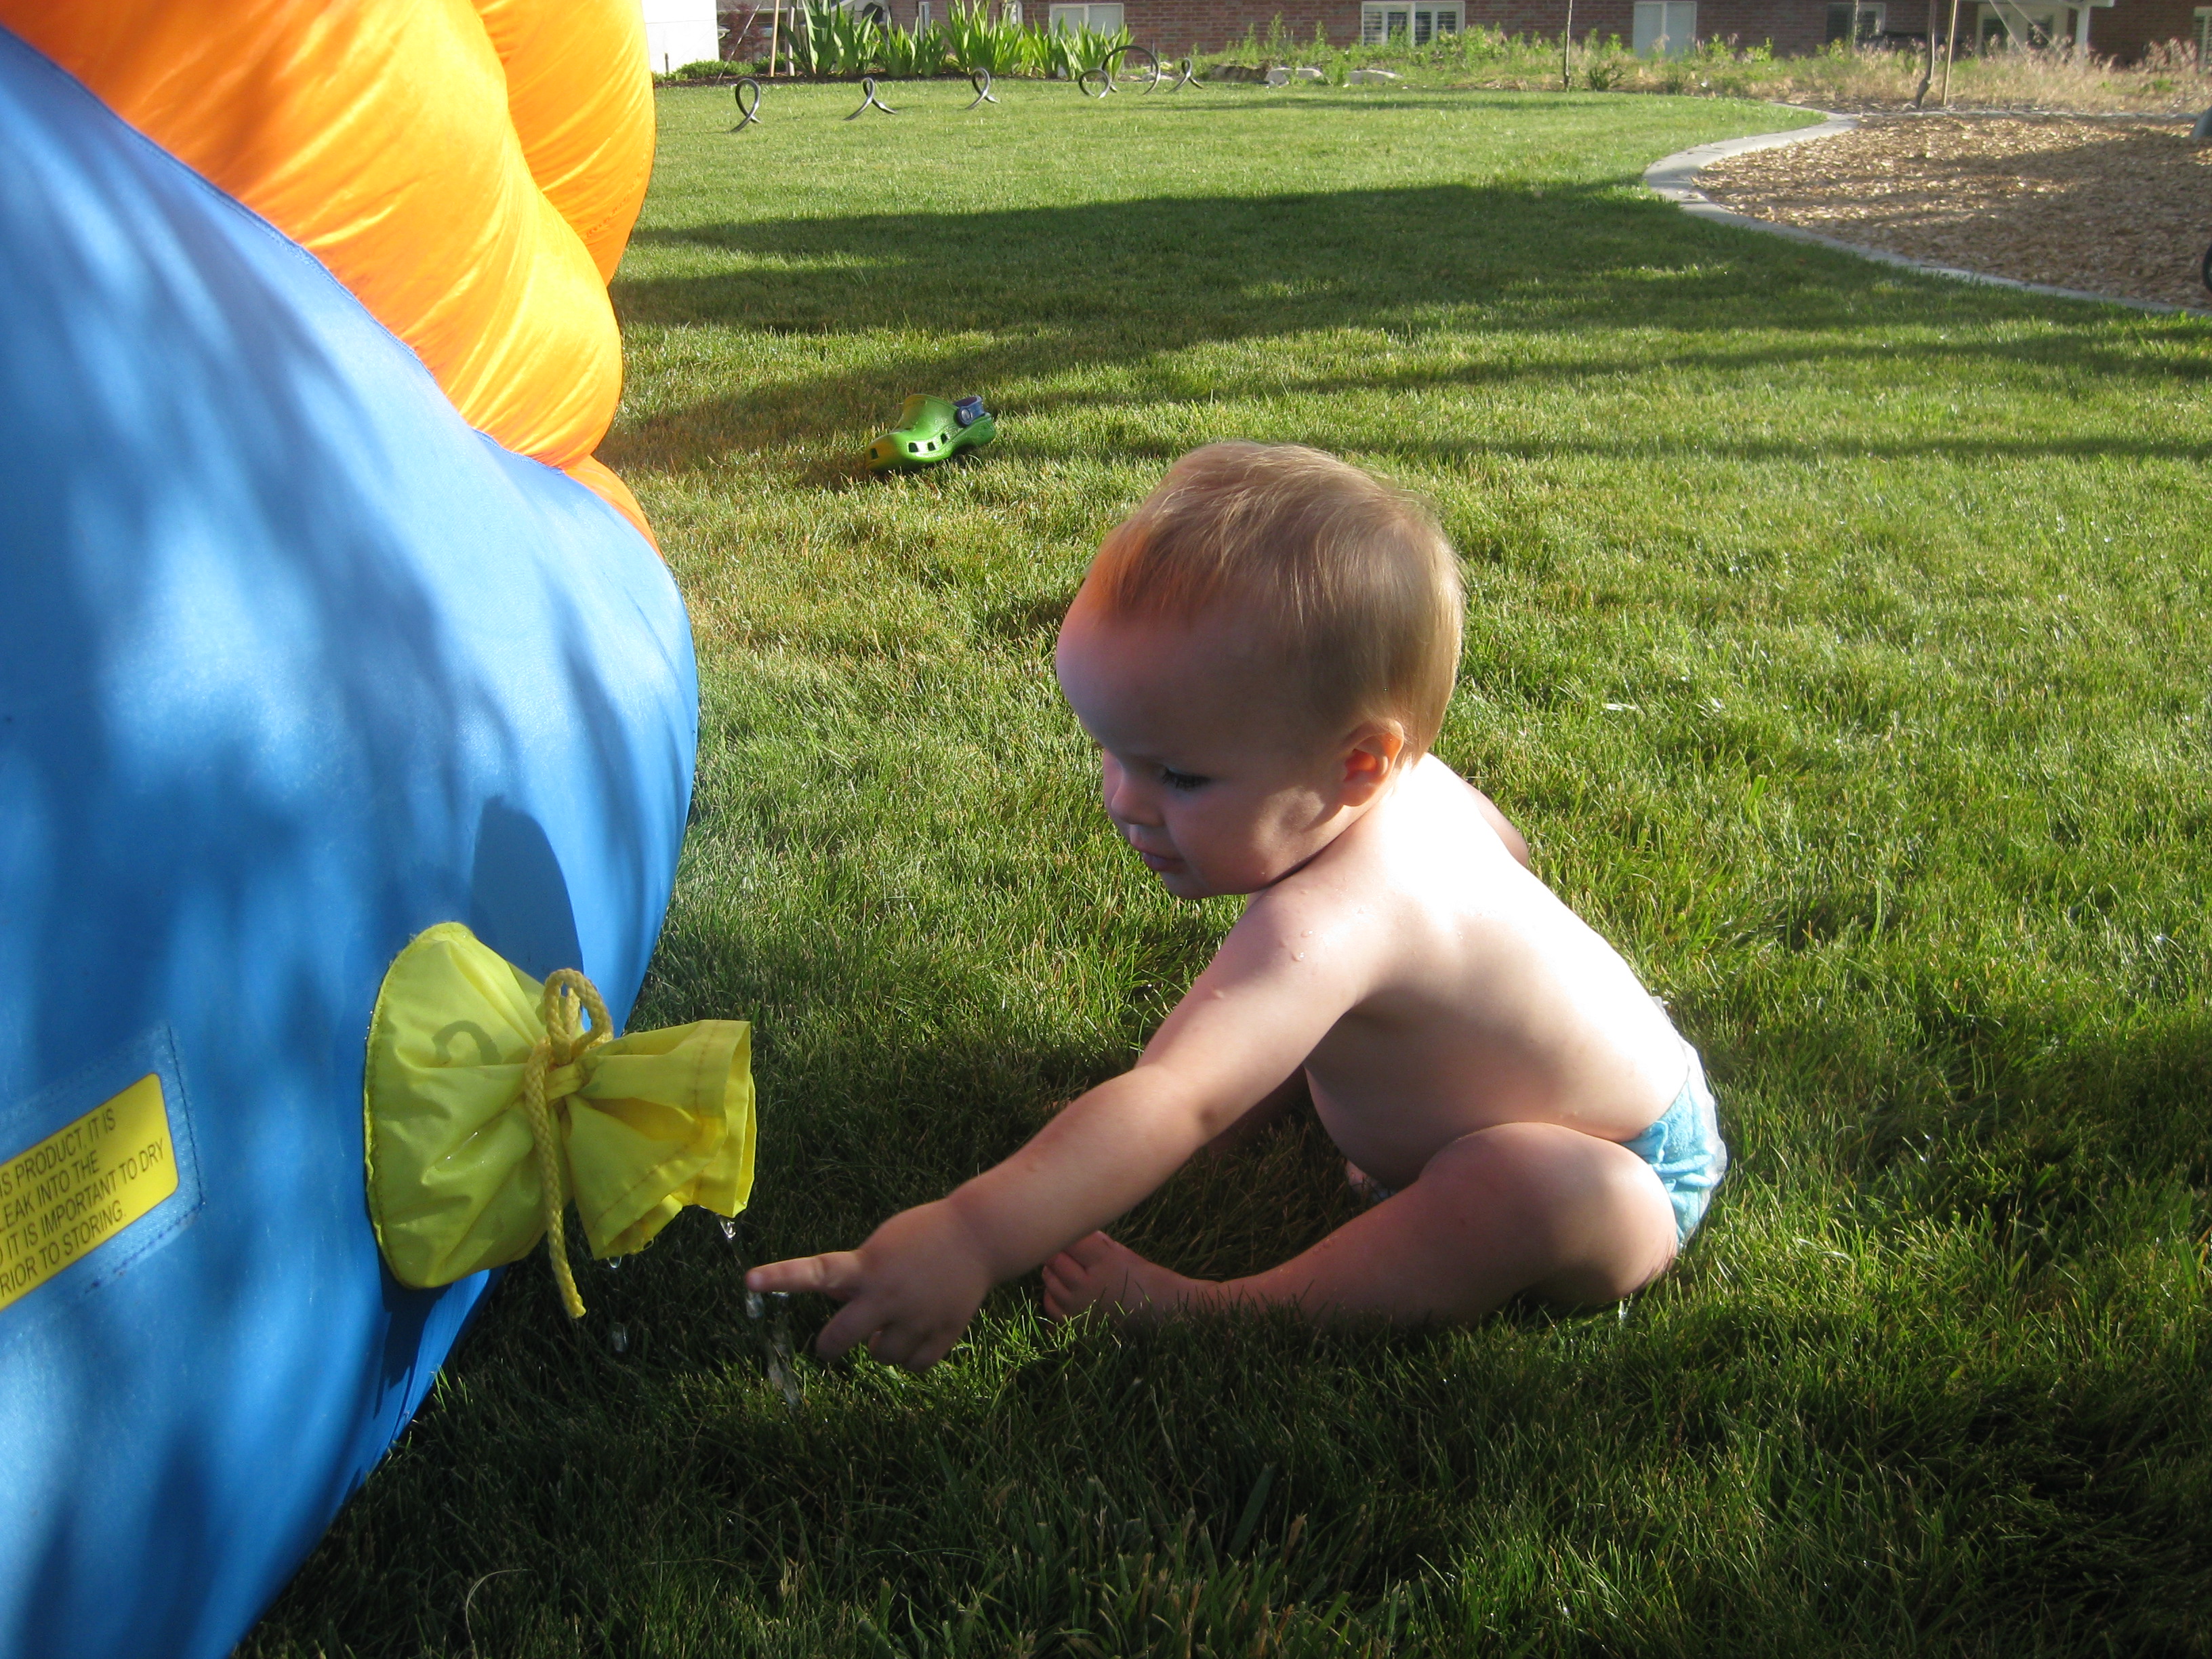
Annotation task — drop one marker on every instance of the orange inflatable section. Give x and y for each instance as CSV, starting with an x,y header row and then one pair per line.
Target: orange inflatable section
x,y
469,169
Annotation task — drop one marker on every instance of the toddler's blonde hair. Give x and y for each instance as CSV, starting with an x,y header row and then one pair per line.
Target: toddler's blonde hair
x,y
1348,578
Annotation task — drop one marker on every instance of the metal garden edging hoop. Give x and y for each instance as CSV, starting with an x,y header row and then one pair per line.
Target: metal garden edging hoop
x,y
869,100
1148,65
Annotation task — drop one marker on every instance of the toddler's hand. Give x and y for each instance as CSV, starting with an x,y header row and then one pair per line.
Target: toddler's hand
x,y
908,1291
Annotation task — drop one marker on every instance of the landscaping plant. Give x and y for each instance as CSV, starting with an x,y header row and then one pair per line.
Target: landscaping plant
x,y
1063,54
905,54
976,41
835,41
1839,76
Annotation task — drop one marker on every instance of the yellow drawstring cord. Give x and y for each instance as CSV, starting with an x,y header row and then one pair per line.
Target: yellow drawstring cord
x,y
568,997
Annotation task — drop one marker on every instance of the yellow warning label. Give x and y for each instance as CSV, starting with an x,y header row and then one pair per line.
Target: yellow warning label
x,y
82,1185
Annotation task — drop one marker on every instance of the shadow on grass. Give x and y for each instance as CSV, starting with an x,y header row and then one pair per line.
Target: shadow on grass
x,y
1613,282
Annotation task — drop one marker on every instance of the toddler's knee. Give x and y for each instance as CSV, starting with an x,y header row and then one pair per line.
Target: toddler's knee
x,y
1520,1174
1592,1218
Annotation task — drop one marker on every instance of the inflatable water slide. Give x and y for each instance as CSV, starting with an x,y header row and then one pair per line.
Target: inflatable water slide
x,y
320,629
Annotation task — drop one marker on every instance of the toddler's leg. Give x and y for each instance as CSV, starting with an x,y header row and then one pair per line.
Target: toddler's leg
x,y
1523,1207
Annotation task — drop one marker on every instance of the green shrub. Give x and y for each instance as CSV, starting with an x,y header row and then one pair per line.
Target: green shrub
x,y
707,68
806,46
835,42
910,54
971,40
1061,54
1085,49
1604,63
975,41
1483,45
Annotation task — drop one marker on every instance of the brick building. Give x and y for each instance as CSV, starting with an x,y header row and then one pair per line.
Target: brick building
x,y
2123,29
2117,28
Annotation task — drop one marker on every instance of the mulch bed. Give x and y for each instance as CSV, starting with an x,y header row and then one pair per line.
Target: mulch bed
x,y
2120,207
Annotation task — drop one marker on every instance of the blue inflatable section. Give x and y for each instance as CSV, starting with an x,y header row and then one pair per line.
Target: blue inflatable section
x,y
293,664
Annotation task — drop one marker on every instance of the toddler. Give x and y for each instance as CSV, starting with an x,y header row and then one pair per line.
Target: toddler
x,y
1263,652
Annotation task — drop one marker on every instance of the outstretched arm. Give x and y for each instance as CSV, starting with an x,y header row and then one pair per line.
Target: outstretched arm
x,y
912,1287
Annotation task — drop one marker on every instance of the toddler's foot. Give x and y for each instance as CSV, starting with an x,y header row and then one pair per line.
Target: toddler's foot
x,y
1096,1272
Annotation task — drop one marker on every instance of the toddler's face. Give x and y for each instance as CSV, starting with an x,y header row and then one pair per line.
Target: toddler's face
x,y
1206,773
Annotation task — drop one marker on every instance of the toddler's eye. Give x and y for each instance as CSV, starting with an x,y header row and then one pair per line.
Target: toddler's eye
x,y
1183,780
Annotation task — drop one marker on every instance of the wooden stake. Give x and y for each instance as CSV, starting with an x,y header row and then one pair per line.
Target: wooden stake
x,y
1950,51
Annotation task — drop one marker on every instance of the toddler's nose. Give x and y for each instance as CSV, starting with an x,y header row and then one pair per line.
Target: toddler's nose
x,y
1130,811
1127,803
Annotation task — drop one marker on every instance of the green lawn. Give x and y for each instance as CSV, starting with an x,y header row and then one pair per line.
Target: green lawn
x,y
1837,638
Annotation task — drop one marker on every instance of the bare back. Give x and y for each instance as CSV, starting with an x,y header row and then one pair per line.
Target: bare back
x,y
1473,996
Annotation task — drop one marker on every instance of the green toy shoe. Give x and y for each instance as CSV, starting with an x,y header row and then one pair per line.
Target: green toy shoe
x,y
931,429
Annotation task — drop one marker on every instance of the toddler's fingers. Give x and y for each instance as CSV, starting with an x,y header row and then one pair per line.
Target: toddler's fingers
x,y
935,1349
910,1349
837,1273
859,1321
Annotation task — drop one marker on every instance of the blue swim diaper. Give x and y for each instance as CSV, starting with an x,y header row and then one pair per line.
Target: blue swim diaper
x,y
1685,1150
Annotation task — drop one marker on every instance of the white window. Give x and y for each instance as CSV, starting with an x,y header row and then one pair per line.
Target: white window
x,y
921,15
1407,21
2203,35
2005,23
1665,28
1010,11
1873,20
1377,24
1099,20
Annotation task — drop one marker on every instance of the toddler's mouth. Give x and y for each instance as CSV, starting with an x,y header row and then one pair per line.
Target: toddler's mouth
x,y
1158,863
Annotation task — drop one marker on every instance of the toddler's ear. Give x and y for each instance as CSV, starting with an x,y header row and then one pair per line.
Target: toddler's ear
x,y
1371,760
